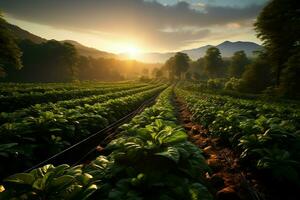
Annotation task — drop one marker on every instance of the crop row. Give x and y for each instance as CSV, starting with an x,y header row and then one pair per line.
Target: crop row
x,y
7,89
38,109
11,103
36,138
266,136
150,159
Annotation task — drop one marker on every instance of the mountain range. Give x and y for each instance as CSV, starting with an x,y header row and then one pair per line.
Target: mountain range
x,y
227,48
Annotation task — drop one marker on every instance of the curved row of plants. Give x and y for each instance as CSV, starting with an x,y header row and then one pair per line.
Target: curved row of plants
x,y
7,89
33,139
267,136
18,89
38,109
151,158
12,103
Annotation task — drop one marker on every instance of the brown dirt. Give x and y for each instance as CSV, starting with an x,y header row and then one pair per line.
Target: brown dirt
x,y
227,179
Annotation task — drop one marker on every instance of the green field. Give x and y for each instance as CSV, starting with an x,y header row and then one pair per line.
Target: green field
x,y
151,154
149,100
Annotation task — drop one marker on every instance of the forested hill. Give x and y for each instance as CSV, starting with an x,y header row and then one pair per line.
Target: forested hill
x,y
88,51
22,34
41,60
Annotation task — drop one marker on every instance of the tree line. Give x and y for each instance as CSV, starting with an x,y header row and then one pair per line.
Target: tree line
x,y
274,70
54,61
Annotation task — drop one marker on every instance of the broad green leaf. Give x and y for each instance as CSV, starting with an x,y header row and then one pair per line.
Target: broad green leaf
x,y
171,153
176,137
89,191
62,182
4,147
21,178
39,184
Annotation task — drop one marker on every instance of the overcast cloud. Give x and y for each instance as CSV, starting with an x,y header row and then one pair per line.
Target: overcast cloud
x,y
149,23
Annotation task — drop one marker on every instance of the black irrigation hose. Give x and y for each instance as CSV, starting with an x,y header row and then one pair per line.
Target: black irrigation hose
x,y
92,140
110,136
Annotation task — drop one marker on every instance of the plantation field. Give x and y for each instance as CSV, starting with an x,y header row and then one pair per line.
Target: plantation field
x,y
188,144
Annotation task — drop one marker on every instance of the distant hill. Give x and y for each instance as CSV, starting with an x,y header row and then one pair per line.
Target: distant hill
x,y
82,50
227,49
88,51
23,35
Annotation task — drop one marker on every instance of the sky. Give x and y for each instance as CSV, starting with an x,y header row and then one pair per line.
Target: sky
x,y
137,25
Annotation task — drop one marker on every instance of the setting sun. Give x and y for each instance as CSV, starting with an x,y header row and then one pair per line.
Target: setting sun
x,y
131,51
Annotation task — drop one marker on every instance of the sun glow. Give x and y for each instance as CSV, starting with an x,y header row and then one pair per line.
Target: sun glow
x,y
131,51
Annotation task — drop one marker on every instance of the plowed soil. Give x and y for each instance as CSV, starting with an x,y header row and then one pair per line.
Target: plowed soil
x,y
227,180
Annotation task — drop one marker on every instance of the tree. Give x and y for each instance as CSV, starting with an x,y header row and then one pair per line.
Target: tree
x,y
257,75
188,76
238,63
196,76
51,61
10,54
177,65
157,73
198,67
71,59
169,66
279,28
290,81
181,64
213,62
145,72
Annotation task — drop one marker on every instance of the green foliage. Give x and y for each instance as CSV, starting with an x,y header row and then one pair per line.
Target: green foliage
x,y
10,54
265,134
238,63
213,62
215,84
282,166
290,77
257,75
177,65
49,182
51,61
197,68
233,84
278,27
56,126
150,159
15,100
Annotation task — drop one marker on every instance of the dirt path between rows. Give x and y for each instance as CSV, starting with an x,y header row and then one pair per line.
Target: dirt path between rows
x,y
227,180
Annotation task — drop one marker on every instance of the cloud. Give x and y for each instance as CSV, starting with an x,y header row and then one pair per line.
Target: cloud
x,y
133,20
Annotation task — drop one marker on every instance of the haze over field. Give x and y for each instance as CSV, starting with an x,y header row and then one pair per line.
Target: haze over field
x,y
135,26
